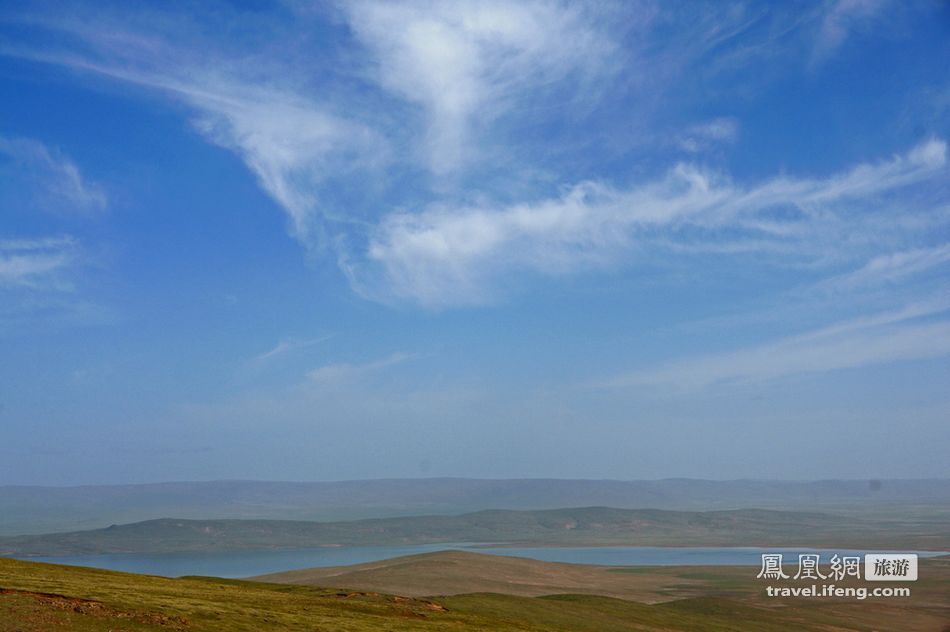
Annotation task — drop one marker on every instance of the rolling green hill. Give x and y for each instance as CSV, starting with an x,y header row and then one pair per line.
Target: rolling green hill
x,y
39,597
463,572
590,526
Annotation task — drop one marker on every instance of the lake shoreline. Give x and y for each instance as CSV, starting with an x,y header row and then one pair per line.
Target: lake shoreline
x,y
243,564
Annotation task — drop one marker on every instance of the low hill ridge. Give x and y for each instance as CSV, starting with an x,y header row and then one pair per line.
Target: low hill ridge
x,y
34,509
587,526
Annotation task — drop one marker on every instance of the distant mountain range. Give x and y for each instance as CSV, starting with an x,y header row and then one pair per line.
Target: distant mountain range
x,y
585,526
25,509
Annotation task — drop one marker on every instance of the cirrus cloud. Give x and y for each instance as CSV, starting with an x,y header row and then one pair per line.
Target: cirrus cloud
x,y
446,255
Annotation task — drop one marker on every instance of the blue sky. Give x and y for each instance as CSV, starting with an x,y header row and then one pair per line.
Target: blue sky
x,y
319,241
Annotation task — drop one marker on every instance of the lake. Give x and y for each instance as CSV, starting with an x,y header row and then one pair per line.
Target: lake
x,y
249,563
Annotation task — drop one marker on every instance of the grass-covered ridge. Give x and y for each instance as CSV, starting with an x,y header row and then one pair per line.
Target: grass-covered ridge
x,y
589,526
39,597
719,587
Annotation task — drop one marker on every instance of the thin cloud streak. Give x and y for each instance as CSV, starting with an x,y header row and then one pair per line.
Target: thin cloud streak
x,y
347,373
36,264
878,339
841,18
54,177
284,347
891,267
704,136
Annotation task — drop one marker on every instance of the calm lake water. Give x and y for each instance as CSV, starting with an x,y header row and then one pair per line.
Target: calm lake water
x,y
250,563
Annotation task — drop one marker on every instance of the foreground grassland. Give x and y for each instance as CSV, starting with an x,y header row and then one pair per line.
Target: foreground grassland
x,y
36,597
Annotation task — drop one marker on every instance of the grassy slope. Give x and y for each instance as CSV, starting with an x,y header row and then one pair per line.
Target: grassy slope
x,y
42,596
205,604
681,587
581,526
460,572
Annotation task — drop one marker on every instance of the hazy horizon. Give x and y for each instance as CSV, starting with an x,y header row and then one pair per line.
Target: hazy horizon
x,y
363,240
132,483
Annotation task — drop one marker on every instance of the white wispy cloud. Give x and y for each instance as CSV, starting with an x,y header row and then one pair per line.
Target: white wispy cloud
x,y
891,267
345,372
43,283
292,142
702,136
840,19
53,177
466,63
290,345
910,333
446,73
292,145
463,63
291,138
445,256
36,263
